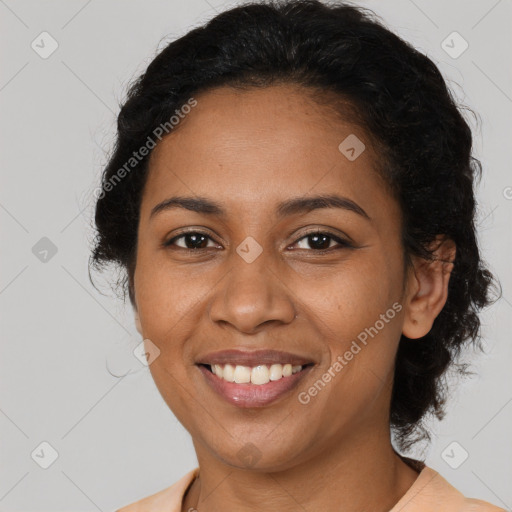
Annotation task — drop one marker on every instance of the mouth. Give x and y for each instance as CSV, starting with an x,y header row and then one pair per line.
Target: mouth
x,y
253,386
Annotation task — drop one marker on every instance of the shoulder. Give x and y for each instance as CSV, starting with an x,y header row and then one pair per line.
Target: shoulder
x,y
169,499
431,492
473,505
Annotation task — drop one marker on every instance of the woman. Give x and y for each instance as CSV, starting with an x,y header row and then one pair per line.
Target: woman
x,y
291,199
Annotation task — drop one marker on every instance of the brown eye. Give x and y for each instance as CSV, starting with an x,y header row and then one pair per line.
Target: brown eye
x,y
321,241
192,240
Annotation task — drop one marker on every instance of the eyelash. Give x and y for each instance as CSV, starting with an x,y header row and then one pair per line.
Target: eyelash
x,y
343,244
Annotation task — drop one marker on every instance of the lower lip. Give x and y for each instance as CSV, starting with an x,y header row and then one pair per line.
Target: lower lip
x,y
253,395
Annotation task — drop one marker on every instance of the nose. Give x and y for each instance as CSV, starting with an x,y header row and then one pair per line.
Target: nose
x,y
251,295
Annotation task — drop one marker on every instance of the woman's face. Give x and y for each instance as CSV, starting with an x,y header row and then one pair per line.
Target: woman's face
x,y
252,279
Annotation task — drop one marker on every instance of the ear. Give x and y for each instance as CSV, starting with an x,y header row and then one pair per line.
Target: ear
x,y
427,288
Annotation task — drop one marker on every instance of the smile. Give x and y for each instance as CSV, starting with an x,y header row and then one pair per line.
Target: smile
x,y
255,386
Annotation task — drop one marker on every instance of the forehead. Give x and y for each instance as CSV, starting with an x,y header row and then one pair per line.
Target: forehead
x,y
274,141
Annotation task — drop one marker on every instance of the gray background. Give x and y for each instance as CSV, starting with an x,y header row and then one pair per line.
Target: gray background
x,y
115,437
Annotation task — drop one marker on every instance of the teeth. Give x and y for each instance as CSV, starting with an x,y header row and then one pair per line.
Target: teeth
x,y
242,374
276,372
260,374
228,373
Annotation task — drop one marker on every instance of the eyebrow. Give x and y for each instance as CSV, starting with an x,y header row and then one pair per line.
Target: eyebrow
x,y
289,207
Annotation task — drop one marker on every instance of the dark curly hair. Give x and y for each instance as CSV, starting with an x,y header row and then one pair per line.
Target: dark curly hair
x,y
400,98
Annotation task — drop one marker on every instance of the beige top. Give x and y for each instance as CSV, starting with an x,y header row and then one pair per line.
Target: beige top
x,y
429,493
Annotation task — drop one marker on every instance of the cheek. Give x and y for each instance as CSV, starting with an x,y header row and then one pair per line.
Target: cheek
x,y
358,315
164,293
172,302
352,297
362,338
167,302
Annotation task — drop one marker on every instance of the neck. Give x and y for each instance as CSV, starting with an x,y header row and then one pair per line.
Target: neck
x,y
359,474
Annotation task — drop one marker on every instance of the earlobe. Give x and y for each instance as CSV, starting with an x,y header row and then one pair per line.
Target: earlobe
x,y
428,288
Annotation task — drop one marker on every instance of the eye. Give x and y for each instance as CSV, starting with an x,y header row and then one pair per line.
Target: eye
x,y
321,241
192,240
317,240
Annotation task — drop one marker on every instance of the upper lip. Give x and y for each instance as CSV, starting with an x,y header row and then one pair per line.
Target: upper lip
x,y
252,358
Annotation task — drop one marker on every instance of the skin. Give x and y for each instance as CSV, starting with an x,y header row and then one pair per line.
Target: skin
x,y
333,453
